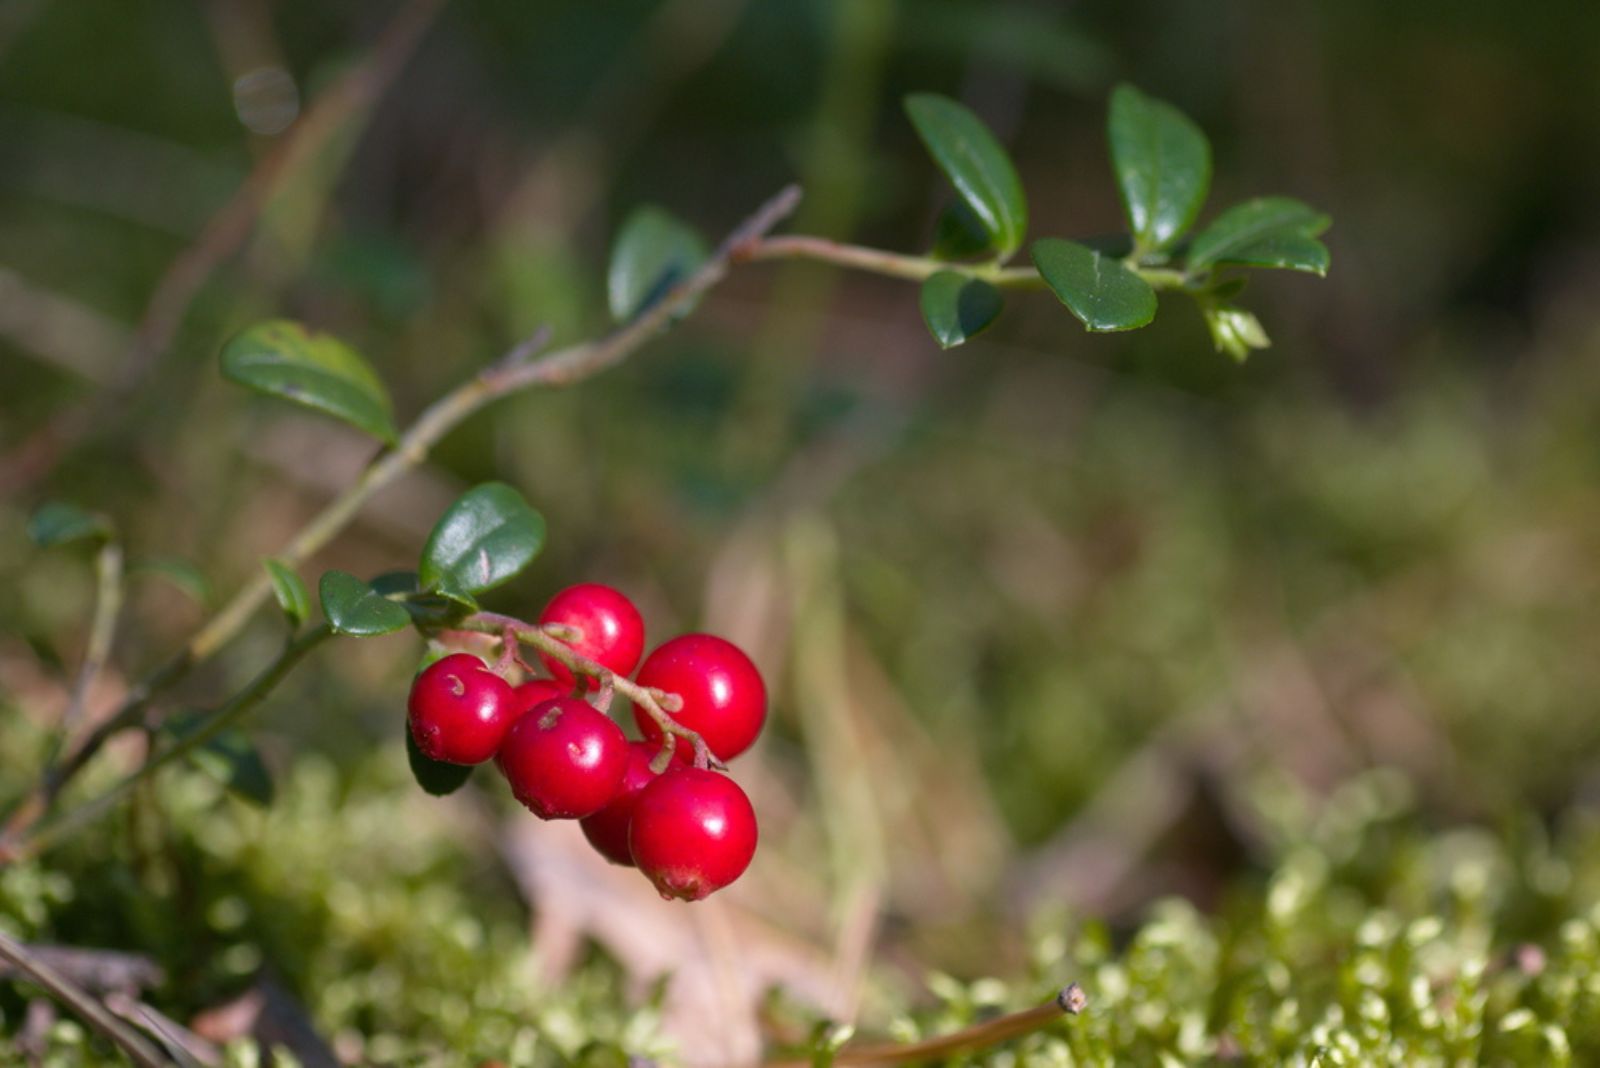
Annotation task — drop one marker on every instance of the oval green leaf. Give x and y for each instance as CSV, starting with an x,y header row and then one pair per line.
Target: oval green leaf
x,y
435,776
57,523
976,165
653,252
957,307
353,607
483,539
1244,229
1099,290
290,590
1162,162
283,359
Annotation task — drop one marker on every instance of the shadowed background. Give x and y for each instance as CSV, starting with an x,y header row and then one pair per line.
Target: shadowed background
x,y
1056,624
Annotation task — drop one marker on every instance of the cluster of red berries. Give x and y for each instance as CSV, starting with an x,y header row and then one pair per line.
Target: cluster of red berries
x,y
689,829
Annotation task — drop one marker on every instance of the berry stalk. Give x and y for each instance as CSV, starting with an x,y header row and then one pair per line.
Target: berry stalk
x,y
509,628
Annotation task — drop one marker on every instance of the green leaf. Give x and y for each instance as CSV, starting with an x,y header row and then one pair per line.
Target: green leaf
x,y
957,307
284,359
290,590
483,539
1101,291
1265,232
654,251
1162,162
976,165
56,523
435,776
353,607
230,758
960,234
180,573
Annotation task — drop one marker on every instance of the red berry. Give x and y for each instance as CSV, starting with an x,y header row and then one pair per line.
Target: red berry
x,y
693,832
564,759
610,630
459,710
538,691
724,699
607,830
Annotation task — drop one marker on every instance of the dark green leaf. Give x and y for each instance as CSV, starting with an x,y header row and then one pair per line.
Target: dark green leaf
x,y
957,308
960,234
284,359
1266,232
976,165
353,607
397,584
180,573
435,776
441,604
56,523
1163,166
484,538
1101,291
229,757
654,251
290,590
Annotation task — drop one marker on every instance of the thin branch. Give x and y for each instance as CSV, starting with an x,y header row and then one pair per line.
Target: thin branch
x,y
80,1002
919,268
102,629
1070,1001
210,725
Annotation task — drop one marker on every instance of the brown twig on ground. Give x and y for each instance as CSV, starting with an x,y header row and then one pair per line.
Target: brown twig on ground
x,y
30,966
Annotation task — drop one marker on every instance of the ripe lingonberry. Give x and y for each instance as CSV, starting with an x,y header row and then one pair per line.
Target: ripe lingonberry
x,y
610,629
607,830
693,832
564,759
723,696
538,691
459,710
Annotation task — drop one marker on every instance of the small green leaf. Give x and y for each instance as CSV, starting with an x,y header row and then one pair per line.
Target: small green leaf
x,y
229,757
976,165
1234,330
960,234
290,590
654,251
441,605
435,776
353,607
56,523
284,359
1265,232
957,307
180,573
484,538
1099,290
1162,162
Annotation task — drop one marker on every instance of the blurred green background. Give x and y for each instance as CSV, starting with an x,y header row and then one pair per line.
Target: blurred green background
x,y
1056,625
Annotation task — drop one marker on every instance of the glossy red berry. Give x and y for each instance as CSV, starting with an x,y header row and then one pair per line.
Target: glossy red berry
x,y
693,832
538,691
724,699
564,759
459,710
610,629
607,830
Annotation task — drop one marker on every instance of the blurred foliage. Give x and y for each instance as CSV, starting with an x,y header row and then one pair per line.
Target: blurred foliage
x,y
1372,547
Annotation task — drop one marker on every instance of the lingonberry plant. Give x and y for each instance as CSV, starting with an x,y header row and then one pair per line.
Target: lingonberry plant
x,y
662,804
